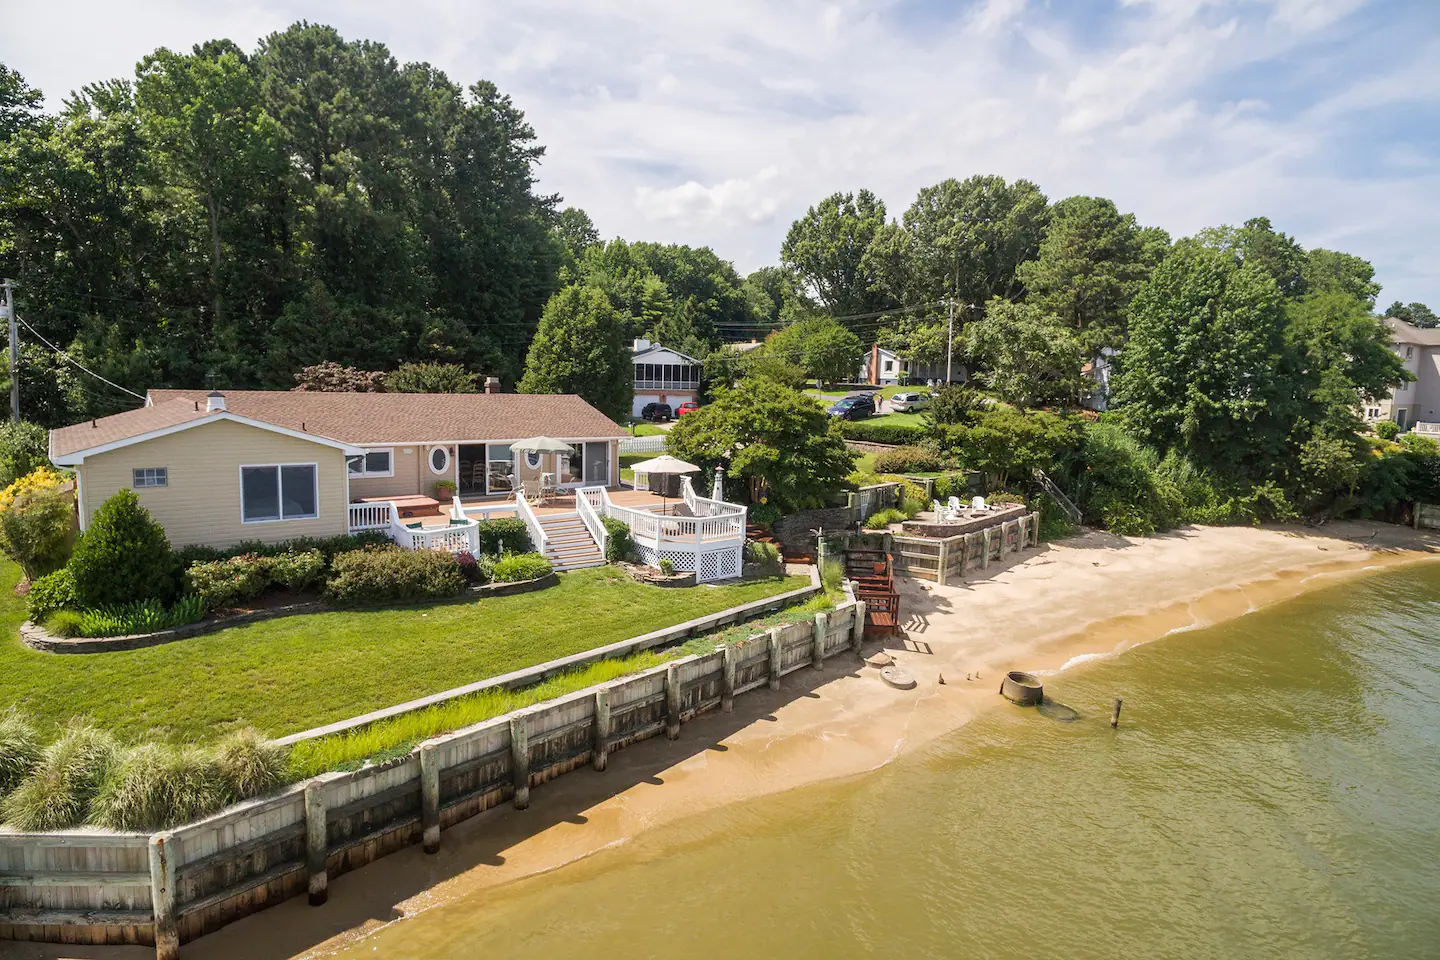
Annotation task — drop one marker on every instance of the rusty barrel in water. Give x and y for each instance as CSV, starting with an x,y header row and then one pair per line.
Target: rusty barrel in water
x,y
1022,688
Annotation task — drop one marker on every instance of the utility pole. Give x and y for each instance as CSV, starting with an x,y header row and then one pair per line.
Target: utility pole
x,y
949,341
14,352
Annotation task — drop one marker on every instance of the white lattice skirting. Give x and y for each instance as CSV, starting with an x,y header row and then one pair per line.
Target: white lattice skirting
x,y
711,565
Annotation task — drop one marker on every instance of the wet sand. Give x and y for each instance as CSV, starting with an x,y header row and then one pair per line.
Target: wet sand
x,y
1055,607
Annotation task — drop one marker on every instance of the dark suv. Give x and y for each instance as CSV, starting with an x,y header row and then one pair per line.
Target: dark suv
x,y
857,406
657,412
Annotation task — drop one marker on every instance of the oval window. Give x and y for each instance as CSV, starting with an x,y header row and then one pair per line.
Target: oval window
x,y
532,459
439,460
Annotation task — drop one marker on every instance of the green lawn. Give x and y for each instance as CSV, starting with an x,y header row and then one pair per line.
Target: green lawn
x,y
294,673
628,461
643,429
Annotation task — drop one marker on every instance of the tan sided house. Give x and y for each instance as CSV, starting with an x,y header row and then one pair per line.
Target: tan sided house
x,y
222,468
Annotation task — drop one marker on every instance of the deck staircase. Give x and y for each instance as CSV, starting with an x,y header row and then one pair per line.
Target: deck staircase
x,y
569,545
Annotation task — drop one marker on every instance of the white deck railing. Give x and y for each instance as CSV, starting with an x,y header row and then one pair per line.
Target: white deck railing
x,y
591,518
538,540
709,545
1427,429
454,538
371,516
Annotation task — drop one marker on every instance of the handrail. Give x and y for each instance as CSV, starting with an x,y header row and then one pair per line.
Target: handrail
x,y
538,540
591,519
1063,502
370,516
457,509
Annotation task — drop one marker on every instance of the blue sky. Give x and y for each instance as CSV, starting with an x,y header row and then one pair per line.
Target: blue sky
x,y
719,123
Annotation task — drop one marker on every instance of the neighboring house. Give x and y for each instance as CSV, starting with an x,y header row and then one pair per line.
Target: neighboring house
x,y
1418,401
663,375
882,367
1099,371
273,465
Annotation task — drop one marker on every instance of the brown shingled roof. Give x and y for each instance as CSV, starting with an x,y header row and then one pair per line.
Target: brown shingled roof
x,y
362,418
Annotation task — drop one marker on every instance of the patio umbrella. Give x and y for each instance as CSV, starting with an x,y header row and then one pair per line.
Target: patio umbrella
x,y
542,445
667,465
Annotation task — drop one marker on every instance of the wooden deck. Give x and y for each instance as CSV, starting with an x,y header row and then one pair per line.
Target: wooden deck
x,y
565,502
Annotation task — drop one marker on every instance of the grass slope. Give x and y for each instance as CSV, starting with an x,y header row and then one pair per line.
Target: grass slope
x,y
294,673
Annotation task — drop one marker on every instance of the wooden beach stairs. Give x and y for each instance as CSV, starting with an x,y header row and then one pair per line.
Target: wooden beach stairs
x,y
872,572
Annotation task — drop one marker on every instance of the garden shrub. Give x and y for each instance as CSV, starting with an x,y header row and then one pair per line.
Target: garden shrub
x,y
521,566
123,557
328,547
911,508
51,592
1004,498
667,566
503,535
296,571
378,575
952,485
1121,487
907,460
470,567
832,574
884,518
225,583
1387,429
19,749
157,785
58,792
618,545
37,522
765,514
142,616
880,432
248,764
766,556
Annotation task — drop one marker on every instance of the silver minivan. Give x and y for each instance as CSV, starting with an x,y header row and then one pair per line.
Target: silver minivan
x,y
909,402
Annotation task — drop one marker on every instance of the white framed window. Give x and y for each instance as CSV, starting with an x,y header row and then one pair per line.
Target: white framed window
x,y
279,491
1409,352
440,460
375,463
532,459
142,477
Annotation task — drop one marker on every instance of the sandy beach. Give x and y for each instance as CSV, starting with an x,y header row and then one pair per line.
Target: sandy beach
x,y
1050,609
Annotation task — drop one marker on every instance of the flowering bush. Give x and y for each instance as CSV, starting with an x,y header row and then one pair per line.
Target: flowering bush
x,y
37,522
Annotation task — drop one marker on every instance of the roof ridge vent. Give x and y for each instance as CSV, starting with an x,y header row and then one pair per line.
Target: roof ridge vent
x,y
214,401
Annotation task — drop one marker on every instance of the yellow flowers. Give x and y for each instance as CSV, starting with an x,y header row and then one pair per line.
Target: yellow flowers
x,y
41,478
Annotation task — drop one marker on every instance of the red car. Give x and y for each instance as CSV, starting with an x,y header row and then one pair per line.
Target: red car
x,y
689,406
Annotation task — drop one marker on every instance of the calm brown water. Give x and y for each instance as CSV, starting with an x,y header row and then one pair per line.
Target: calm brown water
x,y
1274,792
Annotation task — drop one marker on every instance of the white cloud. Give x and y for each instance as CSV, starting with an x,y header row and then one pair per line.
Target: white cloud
x,y
719,123
735,201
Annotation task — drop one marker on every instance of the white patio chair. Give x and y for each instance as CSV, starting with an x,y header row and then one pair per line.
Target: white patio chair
x,y
978,503
532,489
956,507
937,509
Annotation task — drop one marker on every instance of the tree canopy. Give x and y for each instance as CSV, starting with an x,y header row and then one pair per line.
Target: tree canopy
x,y
581,347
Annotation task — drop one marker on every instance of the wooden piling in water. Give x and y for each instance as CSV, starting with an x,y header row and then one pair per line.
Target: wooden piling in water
x,y
317,842
1115,714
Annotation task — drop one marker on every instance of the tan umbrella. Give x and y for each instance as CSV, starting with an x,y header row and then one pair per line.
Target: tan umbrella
x,y
665,465
542,445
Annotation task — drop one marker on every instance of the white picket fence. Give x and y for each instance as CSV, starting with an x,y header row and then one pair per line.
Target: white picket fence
x,y
643,445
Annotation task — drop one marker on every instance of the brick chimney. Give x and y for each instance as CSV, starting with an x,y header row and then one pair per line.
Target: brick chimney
x,y
492,384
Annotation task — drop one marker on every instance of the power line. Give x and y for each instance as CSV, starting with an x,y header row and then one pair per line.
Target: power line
x,y
66,356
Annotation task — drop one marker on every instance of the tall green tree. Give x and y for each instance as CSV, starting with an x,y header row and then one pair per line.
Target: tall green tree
x,y
581,348
1090,264
777,444
1205,372
1327,270
1413,313
1027,356
822,347
1258,244
826,250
